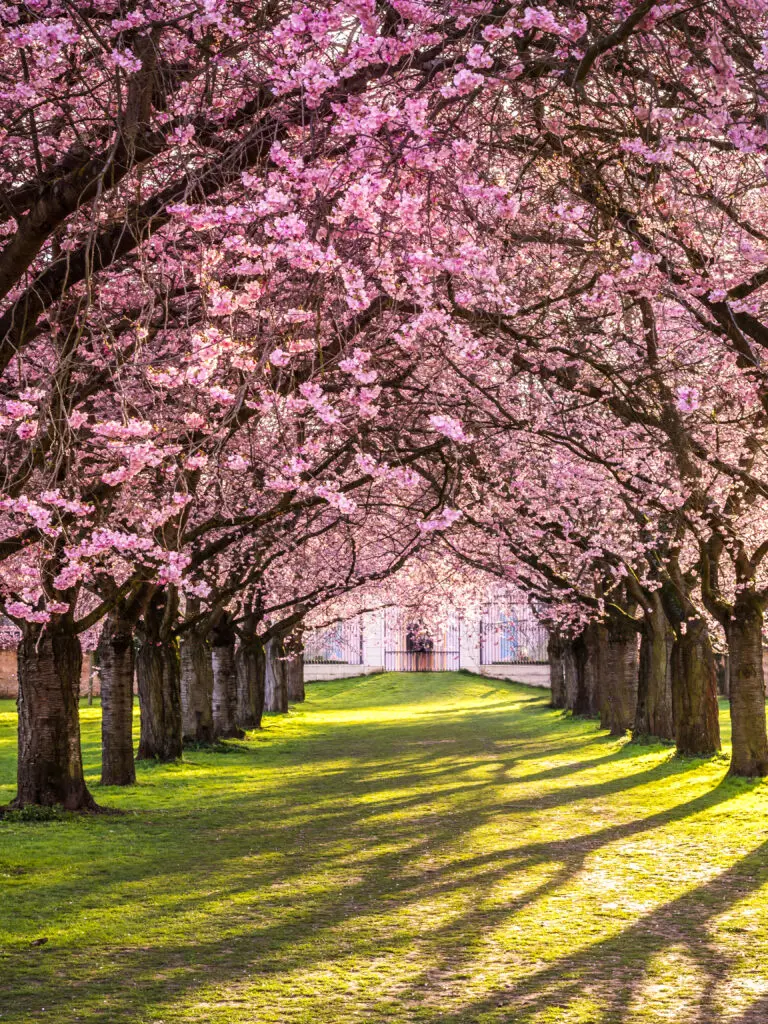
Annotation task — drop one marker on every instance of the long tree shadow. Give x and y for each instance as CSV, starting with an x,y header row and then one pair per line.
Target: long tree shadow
x,y
617,967
276,947
424,803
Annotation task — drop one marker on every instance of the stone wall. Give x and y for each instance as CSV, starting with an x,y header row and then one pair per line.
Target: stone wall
x,y
531,675
315,673
9,684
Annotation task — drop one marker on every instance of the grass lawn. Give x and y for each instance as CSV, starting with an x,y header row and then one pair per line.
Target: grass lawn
x,y
433,848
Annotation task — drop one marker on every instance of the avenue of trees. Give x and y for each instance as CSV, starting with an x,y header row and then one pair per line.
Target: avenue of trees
x,y
294,298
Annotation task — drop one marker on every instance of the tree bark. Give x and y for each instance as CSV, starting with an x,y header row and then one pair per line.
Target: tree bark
x,y
116,654
749,755
157,668
593,668
224,681
581,655
722,670
249,665
196,687
555,656
275,683
619,664
50,765
653,716
694,691
294,676
570,675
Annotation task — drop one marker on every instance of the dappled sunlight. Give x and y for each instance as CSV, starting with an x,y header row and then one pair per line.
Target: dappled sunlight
x,y
461,854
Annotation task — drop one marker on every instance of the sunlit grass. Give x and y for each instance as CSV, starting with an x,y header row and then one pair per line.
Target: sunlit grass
x,y
431,848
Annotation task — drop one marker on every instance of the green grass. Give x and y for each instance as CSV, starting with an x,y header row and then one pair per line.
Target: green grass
x,y
432,848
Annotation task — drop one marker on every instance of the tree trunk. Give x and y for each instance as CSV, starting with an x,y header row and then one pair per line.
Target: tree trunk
x,y
556,670
570,675
694,691
249,665
581,654
275,684
595,640
722,671
653,716
745,648
116,655
619,676
196,688
50,765
294,675
224,681
157,668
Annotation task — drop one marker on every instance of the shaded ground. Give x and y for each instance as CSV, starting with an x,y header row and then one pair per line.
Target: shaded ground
x,y
434,848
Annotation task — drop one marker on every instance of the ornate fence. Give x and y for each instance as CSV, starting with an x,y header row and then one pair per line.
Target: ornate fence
x,y
512,635
421,661
339,644
412,646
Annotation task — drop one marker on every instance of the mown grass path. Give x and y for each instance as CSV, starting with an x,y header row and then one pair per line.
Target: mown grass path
x,y
432,848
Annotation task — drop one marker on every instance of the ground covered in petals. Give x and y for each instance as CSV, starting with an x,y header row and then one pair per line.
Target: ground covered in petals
x,y
433,848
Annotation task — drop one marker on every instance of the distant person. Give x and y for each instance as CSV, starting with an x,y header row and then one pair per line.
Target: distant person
x,y
429,653
410,644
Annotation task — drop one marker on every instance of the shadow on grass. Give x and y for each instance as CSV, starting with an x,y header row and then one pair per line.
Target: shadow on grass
x,y
292,873
617,967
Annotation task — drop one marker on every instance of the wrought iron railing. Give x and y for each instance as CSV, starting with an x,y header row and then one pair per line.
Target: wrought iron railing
x,y
512,635
421,661
339,644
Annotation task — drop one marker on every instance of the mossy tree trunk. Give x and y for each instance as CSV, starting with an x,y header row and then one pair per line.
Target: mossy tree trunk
x,y
50,765
117,658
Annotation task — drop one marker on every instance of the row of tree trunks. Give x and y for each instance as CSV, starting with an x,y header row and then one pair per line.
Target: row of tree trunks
x,y
159,678
192,692
668,691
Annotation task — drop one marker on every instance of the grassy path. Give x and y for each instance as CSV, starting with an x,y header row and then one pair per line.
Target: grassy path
x,y
440,849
